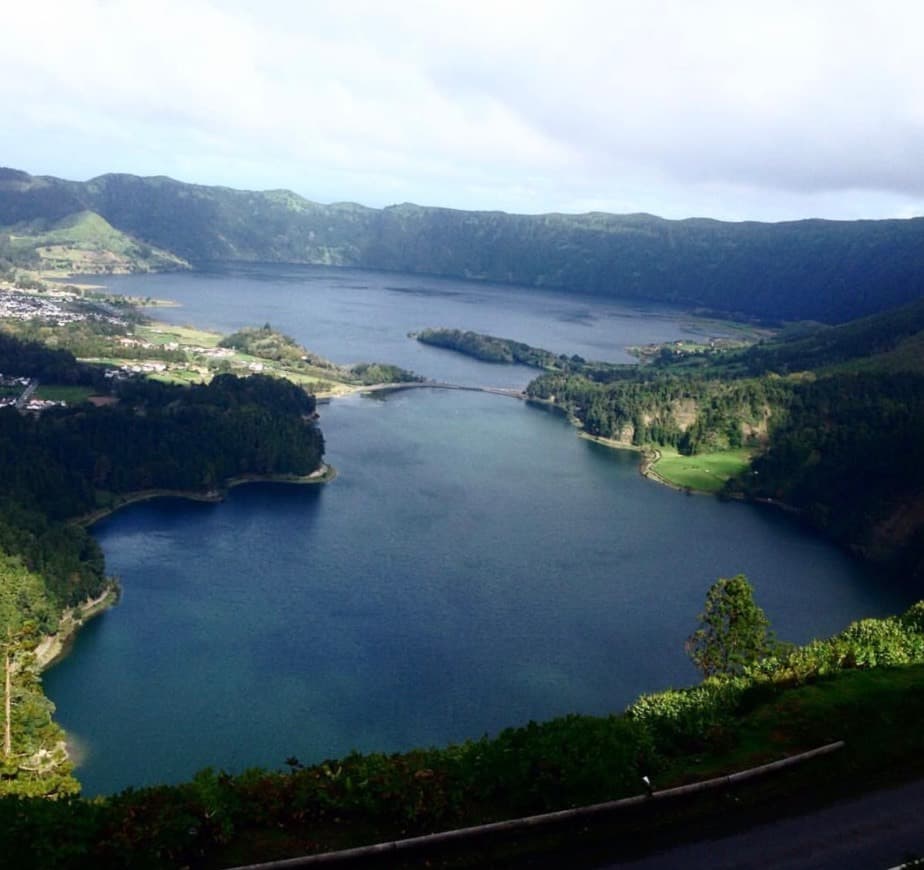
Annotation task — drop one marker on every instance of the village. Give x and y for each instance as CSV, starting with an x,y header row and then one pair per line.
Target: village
x,y
54,306
132,354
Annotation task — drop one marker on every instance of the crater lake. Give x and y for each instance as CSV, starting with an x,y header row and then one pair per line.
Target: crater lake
x,y
474,565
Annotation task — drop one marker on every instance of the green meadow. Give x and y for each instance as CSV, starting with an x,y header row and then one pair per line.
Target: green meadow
x,y
706,472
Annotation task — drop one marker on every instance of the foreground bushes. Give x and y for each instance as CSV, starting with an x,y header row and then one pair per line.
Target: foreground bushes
x,y
691,719
572,760
569,761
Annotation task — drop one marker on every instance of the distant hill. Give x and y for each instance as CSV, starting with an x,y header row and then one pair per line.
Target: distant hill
x,y
82,243
829,271
889,342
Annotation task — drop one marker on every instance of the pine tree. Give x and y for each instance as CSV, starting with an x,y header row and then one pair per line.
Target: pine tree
x,y
734,631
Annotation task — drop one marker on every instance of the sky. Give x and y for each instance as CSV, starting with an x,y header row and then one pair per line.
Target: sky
x,y
735,110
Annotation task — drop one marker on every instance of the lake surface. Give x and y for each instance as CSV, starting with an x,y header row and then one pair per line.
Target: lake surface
x,y
349,316
474,566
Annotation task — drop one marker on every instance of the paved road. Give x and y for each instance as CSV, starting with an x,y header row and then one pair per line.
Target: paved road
x,y
881,830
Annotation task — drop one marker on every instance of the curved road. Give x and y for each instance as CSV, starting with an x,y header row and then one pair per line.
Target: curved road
x,y
880,830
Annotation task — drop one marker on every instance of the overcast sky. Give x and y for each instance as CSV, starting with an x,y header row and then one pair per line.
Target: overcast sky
x,y
736,110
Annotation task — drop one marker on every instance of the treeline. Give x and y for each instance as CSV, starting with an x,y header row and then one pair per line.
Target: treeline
x,y
267,343
33,760
849,453
842,443
816,348
489,348
33,359
846,449
69,462
645,406
381,373
829,271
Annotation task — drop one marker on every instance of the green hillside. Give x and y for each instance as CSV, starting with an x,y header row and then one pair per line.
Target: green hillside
x,y
890,341
832,419
829,271
82,242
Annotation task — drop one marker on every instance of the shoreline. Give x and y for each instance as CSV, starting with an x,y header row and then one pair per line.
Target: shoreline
x,y
646,466
323,474
650,457
52,648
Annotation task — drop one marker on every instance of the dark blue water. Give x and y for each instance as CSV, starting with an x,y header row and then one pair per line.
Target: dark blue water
x,y
475,565
349,316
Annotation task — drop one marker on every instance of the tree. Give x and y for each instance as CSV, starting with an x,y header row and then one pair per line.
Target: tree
x,y
733,630
24,613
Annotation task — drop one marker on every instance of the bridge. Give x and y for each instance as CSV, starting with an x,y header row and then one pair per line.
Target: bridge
x,y
439,385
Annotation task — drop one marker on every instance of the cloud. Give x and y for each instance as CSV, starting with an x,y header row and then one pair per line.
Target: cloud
x,y
526,106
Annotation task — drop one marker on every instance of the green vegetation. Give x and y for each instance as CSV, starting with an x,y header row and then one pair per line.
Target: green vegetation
x,y
829,271
71,462
880,342
864,686
489,348
382,373
839,444
183,355
847,451
163,333
67,394
750,421
82,242
703,472
643,405
734,633
266,343
32,758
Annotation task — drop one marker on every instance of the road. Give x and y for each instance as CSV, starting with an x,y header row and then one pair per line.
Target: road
x,y
881,830
438,385
26,394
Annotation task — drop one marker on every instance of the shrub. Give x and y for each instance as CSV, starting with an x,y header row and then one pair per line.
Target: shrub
x,y
690,719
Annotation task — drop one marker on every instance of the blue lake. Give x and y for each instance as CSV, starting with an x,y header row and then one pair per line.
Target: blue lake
x,y
475,564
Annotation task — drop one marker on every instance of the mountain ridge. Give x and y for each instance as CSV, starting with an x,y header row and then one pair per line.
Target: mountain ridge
x,y
814,269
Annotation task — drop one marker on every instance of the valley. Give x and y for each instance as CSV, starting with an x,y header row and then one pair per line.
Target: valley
x,y
505,603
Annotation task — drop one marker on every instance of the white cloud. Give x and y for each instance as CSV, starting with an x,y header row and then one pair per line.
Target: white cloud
x,y
724,108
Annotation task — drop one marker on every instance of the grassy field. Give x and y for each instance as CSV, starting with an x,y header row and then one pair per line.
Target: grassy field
x,y
59,393
164,333
706,472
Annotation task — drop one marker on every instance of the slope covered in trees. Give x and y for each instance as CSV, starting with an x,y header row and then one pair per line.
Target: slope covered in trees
x,y
489,348
829,271
835,417
68,462
71,461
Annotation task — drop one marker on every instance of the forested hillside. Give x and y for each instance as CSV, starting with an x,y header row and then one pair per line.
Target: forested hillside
x,y
829,271
68,462
834,417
